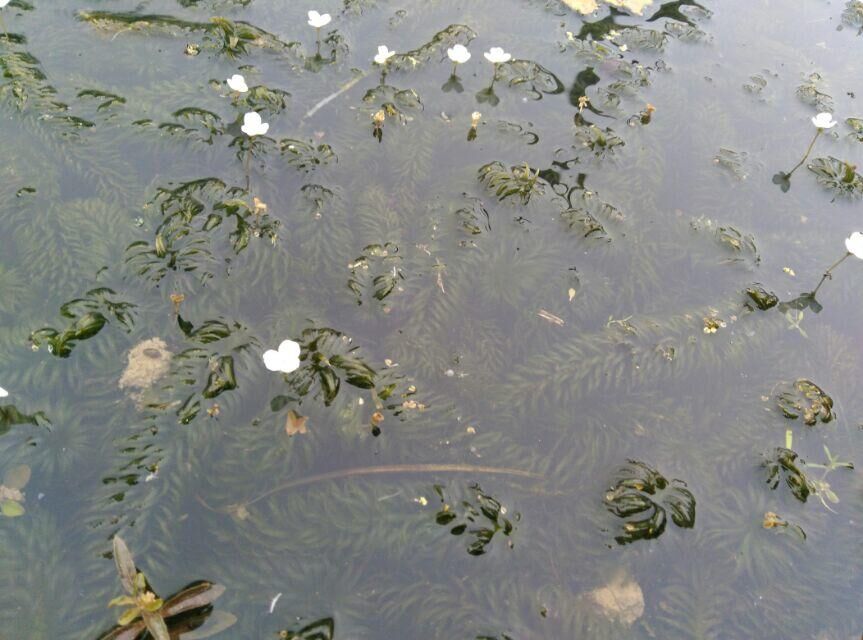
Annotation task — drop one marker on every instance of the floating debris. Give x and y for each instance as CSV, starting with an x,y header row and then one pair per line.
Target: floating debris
x,y
621,600
148,361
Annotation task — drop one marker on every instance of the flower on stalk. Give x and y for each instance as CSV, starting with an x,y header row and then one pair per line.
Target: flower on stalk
x,y
286,359
318,20
236,82
824,120
854,244
497,55
253,125
458,54
383,55
3,392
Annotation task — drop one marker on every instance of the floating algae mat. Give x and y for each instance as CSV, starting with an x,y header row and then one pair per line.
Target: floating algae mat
x,y
490,320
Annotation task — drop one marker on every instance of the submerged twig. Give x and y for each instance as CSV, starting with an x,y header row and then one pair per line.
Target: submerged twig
x,y
382,470
344,88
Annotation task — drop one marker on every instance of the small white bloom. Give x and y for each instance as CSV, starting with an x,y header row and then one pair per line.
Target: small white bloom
x,y
824,121
318,20
458,54
3,392
624,48
253,125
384,54
236,82
497,55
854,244
286,359
3,3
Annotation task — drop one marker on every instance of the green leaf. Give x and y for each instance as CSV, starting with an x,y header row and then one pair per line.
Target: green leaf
x,y
11,509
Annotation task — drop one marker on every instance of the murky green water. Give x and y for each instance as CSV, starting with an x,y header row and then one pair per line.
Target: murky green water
x,y
535,400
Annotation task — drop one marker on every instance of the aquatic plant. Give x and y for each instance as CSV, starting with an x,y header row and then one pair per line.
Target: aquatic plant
x,y
821,122
520,181
181,613
781,464
840,176
286,359
643,497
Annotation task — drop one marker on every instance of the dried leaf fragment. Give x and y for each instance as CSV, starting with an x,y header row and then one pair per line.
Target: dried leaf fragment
x,y
547,315
295,423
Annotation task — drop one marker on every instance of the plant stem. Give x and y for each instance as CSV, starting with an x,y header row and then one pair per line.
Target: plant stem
x,y
808,151
828,273
393,468
247,165
454,67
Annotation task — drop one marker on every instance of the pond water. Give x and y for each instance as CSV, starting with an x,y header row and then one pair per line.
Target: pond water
x,y
560,375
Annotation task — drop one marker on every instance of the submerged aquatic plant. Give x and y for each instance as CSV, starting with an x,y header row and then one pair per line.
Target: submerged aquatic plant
x,y
821,122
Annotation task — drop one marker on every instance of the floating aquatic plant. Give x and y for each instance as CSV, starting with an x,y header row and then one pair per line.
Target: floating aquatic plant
x,y
782,464
519,181
89,315
822,121
644,498
838,175
286,359
804,399
180,614
482,519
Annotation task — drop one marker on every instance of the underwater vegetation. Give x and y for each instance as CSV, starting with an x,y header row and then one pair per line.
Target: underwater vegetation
x,y
413,320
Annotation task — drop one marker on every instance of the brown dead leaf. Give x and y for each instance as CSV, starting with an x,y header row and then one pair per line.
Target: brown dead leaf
x,y
295,423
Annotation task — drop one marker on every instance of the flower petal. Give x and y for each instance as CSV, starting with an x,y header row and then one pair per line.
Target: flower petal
x,y
3,393
272,360
289,349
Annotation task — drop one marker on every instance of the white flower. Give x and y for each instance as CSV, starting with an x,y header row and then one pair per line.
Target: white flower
x,y
3,3
497,55
458,54
824,121
286,359
384,54
624,48
318,20
253,126
236,82
3,392
854,244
